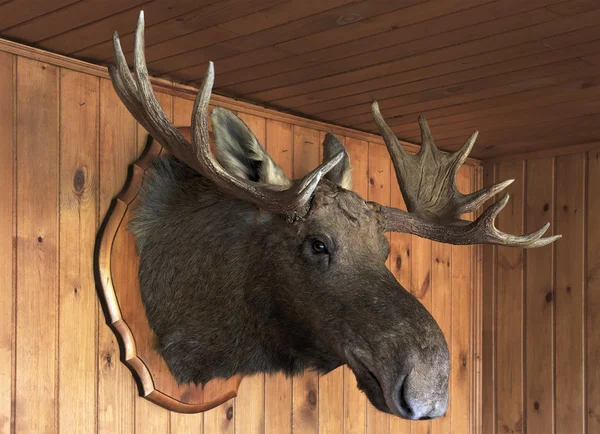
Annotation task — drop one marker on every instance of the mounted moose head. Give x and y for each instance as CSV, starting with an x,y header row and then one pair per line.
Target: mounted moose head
x,y
244,270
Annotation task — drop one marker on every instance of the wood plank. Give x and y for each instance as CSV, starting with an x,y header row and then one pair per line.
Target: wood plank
x,y
339,43
37,121
149,417
539,300
510,307
116,388
7,240
102,30
401,249
354,400
462,309
278,388
472,91
504,61
379,62
592,301
489,303
78,313
305,415
14,12
220,420
184,423
379,191
177,34
569,320
288,31
250,402
78,14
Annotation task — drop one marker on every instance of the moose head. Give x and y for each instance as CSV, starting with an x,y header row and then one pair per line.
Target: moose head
x,y
244,270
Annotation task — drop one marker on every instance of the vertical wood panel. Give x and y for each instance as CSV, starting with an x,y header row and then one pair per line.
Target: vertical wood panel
x,y
355,400
379,191
401,266
510,307
278,388
149,418
488,405
7,236
250,402
570,212
461,319
593,296
184,423
79,100
220,419
539,300
37,246
305,416
116,388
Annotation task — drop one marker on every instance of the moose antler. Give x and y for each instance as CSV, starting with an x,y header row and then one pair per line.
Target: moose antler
x,y
434,204
138,96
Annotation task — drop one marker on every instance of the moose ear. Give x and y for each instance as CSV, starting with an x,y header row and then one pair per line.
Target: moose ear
x,y
341,174
240,152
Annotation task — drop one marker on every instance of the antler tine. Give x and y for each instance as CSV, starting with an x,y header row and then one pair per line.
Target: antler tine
x,y
138,96
427,182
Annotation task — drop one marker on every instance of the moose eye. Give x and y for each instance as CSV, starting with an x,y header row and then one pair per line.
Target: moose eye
x,y
319,247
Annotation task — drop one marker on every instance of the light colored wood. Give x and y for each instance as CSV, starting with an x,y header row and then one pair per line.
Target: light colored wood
x,y
355,401
461,303
221,419
116,388
539,300
37,132
489,302
569,321
510,307
378,191
592,306
278,387
250,401
79,103
7,237
305,388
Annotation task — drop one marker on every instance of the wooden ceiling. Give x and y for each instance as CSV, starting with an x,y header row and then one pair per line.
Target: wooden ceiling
x,y
526,74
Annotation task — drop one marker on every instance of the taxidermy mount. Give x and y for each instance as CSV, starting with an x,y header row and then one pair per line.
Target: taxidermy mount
x,y
244,270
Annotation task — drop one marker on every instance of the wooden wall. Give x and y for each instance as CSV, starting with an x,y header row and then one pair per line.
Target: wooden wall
x,y
65,146
541,317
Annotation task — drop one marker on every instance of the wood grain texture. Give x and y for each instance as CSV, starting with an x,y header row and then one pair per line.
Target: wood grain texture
x,y
116,388
570,214
510,307
559,300
592,410
37,112
7,239
79,107
539,300
109,401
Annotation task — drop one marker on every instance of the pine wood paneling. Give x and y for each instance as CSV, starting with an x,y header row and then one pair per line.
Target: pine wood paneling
x,y
553,344
78,307
7,239
37,118
72,144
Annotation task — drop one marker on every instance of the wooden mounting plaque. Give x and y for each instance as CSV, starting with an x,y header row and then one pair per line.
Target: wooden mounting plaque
x,y
117,265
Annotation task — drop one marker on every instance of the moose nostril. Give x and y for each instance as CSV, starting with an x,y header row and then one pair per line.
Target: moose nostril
x,y
402,401
425,418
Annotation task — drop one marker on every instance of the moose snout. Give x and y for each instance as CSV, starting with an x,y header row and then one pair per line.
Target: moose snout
x,y
414,399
